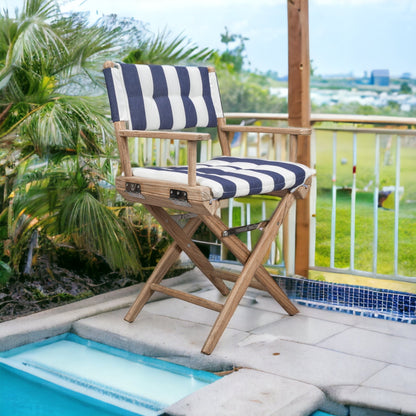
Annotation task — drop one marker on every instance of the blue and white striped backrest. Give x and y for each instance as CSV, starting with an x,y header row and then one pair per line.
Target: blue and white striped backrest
x,y
163,97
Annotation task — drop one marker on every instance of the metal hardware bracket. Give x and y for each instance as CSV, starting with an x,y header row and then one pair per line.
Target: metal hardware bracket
x,y
182,217
134,189
245,228
179,197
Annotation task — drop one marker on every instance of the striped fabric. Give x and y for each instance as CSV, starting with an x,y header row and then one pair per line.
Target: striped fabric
x,y
163,97
230,177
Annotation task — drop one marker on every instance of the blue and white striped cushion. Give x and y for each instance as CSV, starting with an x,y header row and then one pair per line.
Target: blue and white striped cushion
x,y
163,97
230,177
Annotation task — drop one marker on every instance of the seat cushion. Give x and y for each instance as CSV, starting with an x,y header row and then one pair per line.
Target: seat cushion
x,y
230,177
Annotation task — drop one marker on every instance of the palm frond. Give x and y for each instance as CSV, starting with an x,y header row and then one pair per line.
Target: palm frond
x,y
94,227
161,49
33,36
67,123
44,8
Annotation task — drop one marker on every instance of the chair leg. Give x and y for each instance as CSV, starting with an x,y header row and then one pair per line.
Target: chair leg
x,y
252,264
242,253
230,305
165,263
188,246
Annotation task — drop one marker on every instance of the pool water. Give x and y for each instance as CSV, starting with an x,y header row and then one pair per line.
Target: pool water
x,y
22,397
69,376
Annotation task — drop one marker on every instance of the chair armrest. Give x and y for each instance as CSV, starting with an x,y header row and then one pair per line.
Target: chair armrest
x,y
191,137
298,131
170,135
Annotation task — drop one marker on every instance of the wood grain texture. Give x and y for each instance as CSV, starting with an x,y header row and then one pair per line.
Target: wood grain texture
x,y
168,135
265,129
163,266
188,246
299,115
188,297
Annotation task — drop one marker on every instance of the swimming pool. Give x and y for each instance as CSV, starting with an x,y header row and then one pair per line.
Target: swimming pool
x,y
68,375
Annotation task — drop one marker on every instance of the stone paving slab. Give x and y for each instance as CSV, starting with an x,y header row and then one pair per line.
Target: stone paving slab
x,y
307,363
302,328
387,348
397,329
394,378
369,401
248,393
159,336
243,319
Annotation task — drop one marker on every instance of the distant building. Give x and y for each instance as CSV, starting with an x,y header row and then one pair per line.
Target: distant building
x,y
380,77
406,75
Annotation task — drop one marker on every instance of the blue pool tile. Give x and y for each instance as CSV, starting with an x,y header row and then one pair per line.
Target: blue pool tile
x,y
357,300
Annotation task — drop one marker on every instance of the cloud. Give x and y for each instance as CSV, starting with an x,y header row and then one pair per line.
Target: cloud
x,y
163,4
146,6
407,7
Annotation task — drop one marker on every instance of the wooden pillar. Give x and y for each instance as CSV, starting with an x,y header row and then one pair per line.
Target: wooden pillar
x,y
299,115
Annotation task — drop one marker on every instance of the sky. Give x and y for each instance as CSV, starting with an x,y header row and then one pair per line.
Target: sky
x,y
346,36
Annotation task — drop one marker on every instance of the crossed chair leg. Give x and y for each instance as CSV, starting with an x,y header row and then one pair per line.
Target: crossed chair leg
x,y
252,266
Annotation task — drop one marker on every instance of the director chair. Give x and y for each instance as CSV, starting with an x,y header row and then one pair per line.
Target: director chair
x,y
158,101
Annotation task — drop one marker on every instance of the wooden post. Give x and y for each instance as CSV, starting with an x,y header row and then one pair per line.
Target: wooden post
x,y
299,115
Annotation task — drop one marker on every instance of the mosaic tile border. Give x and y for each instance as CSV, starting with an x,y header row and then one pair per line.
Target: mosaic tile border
x,y
355,300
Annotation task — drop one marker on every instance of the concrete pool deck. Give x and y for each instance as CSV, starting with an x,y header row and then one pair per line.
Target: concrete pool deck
x,y
287,366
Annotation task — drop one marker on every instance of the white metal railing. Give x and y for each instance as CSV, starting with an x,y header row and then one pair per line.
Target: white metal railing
x,y
395,137
350,128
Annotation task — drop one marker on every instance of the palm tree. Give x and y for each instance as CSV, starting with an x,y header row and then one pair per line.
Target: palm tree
x,y
56,147
163,49
56,141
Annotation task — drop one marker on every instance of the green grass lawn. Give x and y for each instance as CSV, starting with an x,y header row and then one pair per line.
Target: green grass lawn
x,y
364,235
364,209
366,144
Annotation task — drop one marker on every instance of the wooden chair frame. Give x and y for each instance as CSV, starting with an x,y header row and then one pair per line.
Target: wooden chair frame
x,y
157,196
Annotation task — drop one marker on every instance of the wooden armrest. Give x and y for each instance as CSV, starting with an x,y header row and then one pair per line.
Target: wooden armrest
x,y
172,135
300,131
191,137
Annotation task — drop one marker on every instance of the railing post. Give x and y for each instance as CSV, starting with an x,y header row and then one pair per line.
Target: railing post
x,y
375,202
334,200
353,201
299,115
396,207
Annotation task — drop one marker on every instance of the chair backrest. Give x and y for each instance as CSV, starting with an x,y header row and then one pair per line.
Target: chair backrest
x,y
163,97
